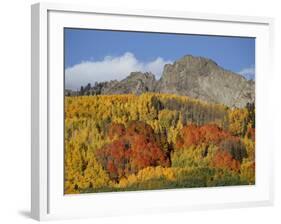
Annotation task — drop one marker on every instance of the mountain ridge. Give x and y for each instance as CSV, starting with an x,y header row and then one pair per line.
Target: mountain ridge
x,y
196,77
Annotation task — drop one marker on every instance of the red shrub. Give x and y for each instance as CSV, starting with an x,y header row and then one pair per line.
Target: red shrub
x,y
116,130
194,135
223,159
133,151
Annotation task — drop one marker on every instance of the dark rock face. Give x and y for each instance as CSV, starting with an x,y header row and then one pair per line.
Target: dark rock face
x,y
197,77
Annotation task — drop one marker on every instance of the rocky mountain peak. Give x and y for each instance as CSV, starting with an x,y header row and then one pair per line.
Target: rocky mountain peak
x,y
136,83
197,77
141,75
195,61
204,79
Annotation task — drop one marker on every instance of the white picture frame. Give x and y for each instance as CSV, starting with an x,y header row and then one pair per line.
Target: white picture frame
x,y
47,198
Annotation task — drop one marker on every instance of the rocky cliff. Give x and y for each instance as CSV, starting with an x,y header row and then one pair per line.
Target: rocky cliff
x,y
202,78
196,77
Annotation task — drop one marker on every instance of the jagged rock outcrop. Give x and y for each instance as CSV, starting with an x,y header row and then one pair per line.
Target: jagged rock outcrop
x,y
197,77
136,83
103,87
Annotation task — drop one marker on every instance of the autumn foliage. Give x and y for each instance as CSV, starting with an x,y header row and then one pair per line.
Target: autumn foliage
x,y
196,135
136,149
224,159
155,141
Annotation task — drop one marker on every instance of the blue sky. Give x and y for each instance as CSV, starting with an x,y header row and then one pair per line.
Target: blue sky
x,y
97,55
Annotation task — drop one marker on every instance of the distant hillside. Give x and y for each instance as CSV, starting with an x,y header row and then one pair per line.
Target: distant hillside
x,y
197,77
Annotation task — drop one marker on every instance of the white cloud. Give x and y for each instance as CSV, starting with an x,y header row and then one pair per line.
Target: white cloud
x,y
248,73
110,68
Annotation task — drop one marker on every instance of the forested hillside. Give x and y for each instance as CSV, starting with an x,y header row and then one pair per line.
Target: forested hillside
x,y
156,141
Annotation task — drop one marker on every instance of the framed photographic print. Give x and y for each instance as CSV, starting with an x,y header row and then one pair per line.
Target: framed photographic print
x,y
148,111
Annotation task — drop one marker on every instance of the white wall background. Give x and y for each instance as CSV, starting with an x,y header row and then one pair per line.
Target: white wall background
x,y
15,110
